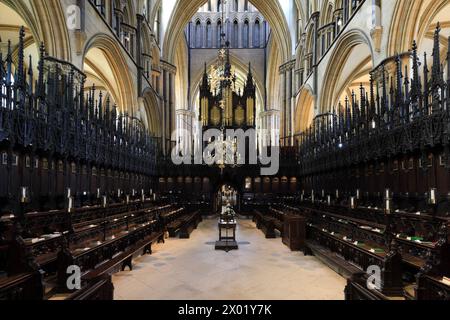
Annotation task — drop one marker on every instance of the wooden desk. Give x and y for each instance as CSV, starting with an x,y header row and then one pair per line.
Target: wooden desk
x,y
223,225
227,242
294,234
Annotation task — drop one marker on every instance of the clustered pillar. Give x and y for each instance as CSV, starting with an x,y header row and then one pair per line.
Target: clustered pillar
x,y
288,103
168,106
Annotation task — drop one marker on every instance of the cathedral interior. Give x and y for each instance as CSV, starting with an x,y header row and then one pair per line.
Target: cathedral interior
x,y
314,131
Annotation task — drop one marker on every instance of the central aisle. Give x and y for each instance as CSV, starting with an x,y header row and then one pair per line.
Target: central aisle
x,y
261,269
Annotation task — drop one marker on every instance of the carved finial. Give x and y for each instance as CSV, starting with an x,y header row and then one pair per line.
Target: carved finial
x,y
437,52
30,66
20,68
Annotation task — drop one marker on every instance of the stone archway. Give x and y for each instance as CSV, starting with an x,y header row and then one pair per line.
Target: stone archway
x,y
46,22
114,74
349,65
150,110
185,9
413,21
304,113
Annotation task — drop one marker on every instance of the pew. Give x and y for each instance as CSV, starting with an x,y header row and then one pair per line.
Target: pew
x,y
265,224
183,223
190,224
98,240
432,288
125,259
25,286
351,240
356,289
414,246
115,251
102,289
278,217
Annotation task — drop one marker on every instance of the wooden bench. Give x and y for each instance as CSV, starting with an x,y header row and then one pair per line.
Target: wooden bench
x,y
101,290
190,224
356,290
174,227
339,265
124,259
278,219
265,224
25,286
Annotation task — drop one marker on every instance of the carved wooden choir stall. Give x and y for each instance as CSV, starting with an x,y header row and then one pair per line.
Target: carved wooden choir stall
x,y
375,175
77,183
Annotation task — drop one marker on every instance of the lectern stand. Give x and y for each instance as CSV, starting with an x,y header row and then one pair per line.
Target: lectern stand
x,y
227,233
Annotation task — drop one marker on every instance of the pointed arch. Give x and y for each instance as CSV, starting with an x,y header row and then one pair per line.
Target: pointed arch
x,y
119,80
150,112
412,20
352,53
304,112
47,23
184,10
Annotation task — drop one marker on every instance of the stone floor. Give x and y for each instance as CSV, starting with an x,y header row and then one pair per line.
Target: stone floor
x,y
260,270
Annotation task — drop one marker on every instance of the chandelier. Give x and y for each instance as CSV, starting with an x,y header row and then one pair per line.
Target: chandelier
x,y
229,155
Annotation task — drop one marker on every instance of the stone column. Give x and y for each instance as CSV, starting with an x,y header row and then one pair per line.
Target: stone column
x,y
214,27
171,102
288,103
164,109
315,17
292,100
251,26
168,94
140,21
283,127
205,40
240,37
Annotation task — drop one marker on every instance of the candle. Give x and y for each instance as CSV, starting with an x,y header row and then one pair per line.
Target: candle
x,y
70,204
68,193
98,193
433,196
104,201
312,198
24,195
388,194
329,200
352,202
358,194
154,197
134,192
118,193
323,193
151,191
128,199
388,206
